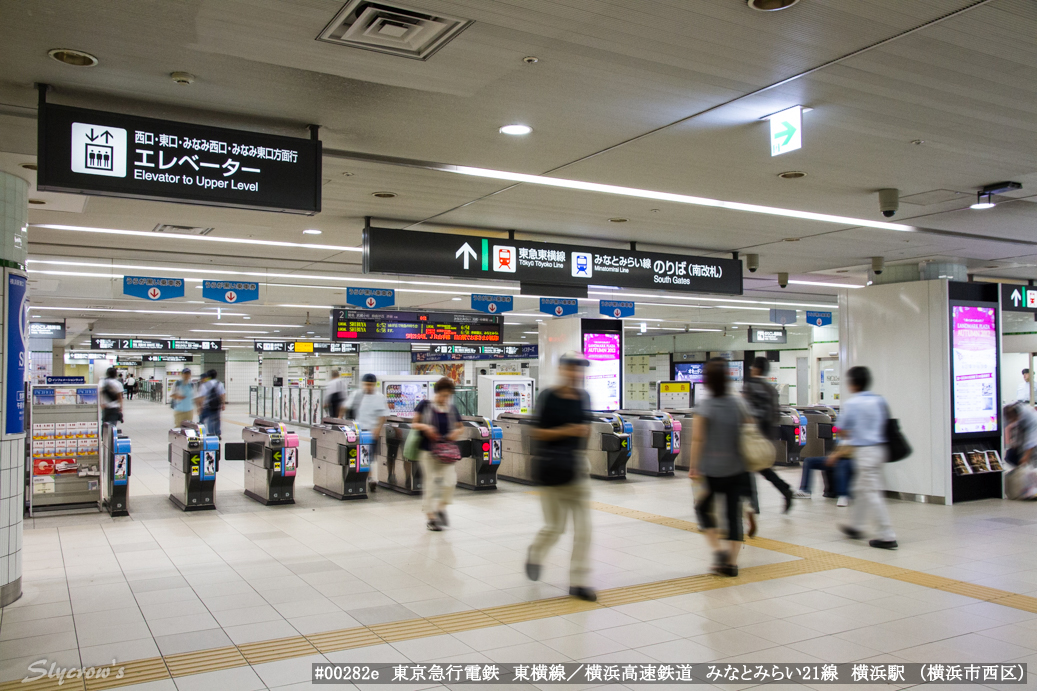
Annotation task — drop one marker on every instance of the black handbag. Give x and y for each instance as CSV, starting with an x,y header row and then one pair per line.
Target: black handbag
x,y
899,449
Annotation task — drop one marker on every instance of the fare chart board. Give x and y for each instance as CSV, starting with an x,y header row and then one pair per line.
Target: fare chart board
x,y
458,327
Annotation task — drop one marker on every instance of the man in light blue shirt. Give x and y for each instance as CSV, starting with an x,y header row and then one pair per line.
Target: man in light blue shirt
x,y
862,429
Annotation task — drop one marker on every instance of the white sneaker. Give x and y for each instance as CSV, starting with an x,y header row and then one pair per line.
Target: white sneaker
x,y
843,501
800,494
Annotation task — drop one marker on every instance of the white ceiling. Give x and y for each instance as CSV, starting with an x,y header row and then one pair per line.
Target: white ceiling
x,y
609,73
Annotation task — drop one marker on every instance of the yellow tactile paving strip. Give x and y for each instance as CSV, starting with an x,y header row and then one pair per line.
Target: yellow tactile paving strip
x,y
809,560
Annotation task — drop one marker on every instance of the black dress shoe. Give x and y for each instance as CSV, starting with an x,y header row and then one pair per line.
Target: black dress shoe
x,y
788,500
884,544
583,593
851,532
533,571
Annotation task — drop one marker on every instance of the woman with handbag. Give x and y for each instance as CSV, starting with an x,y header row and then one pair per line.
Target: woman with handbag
x,y
716,455
439,424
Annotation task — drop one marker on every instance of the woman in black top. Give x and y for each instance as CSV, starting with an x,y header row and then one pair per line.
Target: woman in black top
x,y
438,422
563,414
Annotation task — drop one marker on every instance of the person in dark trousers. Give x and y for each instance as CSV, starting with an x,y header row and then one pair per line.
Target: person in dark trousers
x,y
717,457
762,398
111,397
212,399
562,428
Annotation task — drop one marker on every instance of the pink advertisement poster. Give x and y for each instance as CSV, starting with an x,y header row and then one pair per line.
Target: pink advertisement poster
x,y
974,352
602,378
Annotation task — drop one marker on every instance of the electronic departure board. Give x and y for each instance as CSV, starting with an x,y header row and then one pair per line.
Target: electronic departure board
x,y
458,327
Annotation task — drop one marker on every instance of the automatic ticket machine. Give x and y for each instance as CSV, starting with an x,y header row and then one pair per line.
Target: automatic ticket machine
x,y
517,459
341,458
115,471
396,472
194,460
482,446
608,446
271,461
655,443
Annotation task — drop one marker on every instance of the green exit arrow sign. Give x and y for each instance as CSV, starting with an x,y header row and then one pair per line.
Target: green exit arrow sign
x,y
786,130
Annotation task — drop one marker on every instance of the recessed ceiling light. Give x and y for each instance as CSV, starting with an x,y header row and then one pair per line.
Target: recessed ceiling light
x,y
771,5
348,175
792,175
456,299
182,78
76,58
617,220
309,332
246,317
531,59
383,195
311,231
27,166
37,201
516,130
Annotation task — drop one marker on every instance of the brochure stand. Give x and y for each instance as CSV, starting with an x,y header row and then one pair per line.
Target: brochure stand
x,y
63,461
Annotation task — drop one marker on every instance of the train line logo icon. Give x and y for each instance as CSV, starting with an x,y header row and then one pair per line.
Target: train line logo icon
x,y
98,150
583,264
505,258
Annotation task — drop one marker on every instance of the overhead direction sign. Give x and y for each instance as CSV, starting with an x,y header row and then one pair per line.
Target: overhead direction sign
x,y
152,287
492,304
819,318
559,307
779,316
110,154
775,336
231,292
178,344
786,130
394,251
54,330
1018,298
617,309
319,347
371,298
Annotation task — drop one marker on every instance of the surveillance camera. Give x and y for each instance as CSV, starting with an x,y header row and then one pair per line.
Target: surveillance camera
x,y
783,280
877,265
752,262
889,201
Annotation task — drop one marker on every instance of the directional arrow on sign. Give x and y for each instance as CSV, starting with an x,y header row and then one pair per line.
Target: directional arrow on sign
x,y
789,132
467,251
1016,297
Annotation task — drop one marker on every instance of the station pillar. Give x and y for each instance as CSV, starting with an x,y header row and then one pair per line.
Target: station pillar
x,y
14,356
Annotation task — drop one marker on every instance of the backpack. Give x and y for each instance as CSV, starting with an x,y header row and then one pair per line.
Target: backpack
x,y
108,392
212,397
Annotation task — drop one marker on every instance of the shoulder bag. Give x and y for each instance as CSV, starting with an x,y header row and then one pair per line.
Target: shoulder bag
x,y
445,451
412,446
757,451
899,449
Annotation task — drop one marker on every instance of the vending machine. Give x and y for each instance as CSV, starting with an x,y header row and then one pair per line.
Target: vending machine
x,y
405,391
506,394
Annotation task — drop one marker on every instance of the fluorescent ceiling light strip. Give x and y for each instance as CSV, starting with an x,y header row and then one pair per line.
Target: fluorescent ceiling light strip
x,y
223,331
771,324
203,238
827,285
137,335
232,272
105,309
282,326
670,197
707,299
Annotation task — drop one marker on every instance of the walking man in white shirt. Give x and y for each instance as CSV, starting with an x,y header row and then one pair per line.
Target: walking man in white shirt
x,y
1022,392
368,408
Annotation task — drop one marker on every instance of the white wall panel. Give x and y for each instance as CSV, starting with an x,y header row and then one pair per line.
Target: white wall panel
x,y
901,332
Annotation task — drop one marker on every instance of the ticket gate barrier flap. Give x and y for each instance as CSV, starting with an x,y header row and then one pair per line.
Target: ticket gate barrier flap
x,y
481,449
117,467
400,474
341,458
194,460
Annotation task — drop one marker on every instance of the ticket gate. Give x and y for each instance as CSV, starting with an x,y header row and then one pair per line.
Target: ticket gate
x,y
341,458
683,416
791,436
608,446
820,436
397,473
194,460
482,446
655,442
271,461
115,471
517,460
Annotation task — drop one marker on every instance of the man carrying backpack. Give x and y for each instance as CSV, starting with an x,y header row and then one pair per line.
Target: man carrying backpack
x,y
211,400
111,397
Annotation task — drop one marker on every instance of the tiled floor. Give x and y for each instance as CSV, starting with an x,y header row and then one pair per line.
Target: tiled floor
x,y
163,582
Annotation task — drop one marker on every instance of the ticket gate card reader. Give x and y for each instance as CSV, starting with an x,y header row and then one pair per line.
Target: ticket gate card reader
x,y
608,446
683,416
518,448
482,446
400,474
791,437
655,443
115,471
341,458
271,461
194,460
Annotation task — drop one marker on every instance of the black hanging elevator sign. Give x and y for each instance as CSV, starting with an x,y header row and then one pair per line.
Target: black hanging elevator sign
x,y
110,154
388,250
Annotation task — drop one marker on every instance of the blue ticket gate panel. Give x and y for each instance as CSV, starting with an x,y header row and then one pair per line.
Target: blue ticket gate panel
x,y
342,455
194,460
115,471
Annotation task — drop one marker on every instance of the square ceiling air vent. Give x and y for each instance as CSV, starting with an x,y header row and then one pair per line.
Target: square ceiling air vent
x,y
392,29
180,230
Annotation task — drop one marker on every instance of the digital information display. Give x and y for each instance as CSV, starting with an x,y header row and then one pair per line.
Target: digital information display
x,y
602,378
54,330
154,344
95,152
448,353
974,368
364,325
689,371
